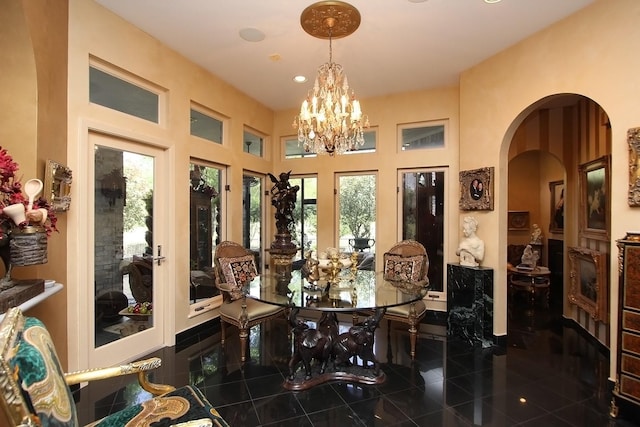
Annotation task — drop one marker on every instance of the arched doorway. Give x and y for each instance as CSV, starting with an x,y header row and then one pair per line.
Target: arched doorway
x,y
552,140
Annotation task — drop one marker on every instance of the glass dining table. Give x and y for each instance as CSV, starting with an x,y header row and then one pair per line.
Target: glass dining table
x,y
320,353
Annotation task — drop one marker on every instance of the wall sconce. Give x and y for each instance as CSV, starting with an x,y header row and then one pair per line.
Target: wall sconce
x,y
114,186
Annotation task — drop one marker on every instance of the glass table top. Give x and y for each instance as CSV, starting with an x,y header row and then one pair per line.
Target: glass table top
x,y
364,290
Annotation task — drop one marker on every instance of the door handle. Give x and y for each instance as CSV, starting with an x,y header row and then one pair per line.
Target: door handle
x,y
159,258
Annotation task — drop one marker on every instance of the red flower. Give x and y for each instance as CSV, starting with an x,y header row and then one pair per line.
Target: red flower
x,y
11,193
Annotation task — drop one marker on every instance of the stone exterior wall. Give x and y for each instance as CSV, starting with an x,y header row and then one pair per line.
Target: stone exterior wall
x,y
109,211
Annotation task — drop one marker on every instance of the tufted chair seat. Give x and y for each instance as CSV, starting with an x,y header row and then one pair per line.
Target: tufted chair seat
x,y
35,391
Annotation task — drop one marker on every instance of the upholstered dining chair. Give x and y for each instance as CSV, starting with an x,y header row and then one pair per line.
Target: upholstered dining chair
x,y
234,265
407,261
35,391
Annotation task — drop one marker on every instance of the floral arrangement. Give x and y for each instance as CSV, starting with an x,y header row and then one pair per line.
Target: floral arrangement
x,y
40,214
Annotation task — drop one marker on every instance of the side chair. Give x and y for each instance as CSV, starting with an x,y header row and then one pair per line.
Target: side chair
x,y
407,261
234,265
35,392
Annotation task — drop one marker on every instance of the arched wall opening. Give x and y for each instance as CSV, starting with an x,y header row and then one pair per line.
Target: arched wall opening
x,y
551,142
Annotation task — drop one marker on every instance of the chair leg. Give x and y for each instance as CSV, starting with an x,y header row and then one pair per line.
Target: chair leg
x,y
413,337
223,331
244,335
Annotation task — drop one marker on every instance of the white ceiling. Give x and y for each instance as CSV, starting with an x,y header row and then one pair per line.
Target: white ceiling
x,y
401,45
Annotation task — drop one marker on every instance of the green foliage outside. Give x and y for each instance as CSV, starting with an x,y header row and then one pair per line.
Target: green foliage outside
x,y
357,205
308,190
139,172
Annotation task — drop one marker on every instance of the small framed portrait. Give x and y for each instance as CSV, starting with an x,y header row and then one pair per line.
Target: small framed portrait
x,y
594,199
556,204
588,288
518,220
476,189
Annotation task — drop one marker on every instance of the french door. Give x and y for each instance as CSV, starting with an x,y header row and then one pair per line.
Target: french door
x,y
127,248
422,214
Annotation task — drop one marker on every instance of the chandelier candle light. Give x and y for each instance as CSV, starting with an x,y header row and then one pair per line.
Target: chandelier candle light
x,y
330,119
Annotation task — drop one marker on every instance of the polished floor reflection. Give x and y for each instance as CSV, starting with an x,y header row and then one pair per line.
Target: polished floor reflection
x,y
549,375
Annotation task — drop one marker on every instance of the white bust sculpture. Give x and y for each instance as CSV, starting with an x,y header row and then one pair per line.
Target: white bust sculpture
x,y
536,235
471,248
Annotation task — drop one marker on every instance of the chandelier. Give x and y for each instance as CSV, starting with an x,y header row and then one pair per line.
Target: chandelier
x,y
330,119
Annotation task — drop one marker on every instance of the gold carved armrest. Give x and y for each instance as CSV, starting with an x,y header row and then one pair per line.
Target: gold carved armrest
x,y
205,422
139,367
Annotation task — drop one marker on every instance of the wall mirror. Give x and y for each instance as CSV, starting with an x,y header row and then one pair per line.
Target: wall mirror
x,y
633,136
57,184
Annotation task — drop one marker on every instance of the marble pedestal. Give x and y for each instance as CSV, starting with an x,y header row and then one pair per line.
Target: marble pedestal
x,y
470,303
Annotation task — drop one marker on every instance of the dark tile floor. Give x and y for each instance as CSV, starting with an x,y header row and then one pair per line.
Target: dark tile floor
x,y
549,375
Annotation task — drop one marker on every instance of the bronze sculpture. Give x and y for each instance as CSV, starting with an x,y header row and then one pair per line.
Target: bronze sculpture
x,y
283,198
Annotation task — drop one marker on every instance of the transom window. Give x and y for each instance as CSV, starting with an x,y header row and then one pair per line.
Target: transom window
x,y
253,143
113,92
419,136
205,125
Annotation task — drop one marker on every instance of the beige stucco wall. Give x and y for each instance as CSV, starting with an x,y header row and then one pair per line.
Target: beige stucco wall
x,y
589,53
33,127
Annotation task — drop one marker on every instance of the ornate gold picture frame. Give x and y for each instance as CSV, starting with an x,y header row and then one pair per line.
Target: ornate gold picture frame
x,y
476,189
595,199
633,137
57,186
589,288
556,205
518,220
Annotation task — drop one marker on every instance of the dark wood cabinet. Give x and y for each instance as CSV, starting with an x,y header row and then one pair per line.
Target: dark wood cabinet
x,y
626,393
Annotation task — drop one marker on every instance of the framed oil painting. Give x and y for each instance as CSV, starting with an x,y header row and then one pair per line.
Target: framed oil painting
x,y
57,186
633,137
476,189
588,289
518,220
556,204
594,199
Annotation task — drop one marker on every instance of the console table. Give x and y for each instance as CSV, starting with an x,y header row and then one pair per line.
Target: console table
x,y
355,292
533,282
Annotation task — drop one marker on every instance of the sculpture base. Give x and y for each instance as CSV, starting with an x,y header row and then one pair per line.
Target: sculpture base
x,y
354,374
283,244
23,291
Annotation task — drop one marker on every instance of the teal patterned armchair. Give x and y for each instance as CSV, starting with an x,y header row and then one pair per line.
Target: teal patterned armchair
x,y
35,392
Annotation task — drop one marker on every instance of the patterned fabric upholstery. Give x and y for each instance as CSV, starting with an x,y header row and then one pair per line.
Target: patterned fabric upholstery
x,y
238,271
400,268
34,390
183,404
38,372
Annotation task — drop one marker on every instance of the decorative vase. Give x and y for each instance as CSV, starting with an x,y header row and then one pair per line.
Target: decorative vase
x,y
26,246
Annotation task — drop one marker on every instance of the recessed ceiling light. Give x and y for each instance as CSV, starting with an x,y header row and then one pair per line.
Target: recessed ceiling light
x,y
417,1
251,34
492,1
299,79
